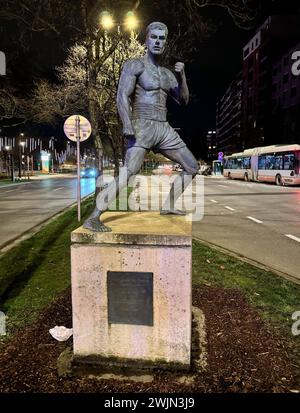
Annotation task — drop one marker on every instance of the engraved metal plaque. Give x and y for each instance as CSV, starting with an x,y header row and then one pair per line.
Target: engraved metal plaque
x,y
130,298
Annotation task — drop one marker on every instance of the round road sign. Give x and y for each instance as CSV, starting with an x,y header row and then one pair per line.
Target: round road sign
x,y
77,124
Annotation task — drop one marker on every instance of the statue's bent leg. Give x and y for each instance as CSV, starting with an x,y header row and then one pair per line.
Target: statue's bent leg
x,y
133,163
186,159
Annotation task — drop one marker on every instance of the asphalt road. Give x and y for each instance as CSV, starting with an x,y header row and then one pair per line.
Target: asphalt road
x,y
24,206
258,221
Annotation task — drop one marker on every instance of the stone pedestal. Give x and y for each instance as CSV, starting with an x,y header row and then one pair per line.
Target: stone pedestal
x,y
131,291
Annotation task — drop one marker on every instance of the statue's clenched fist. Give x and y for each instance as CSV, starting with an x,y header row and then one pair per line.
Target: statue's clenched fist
x,y
179,68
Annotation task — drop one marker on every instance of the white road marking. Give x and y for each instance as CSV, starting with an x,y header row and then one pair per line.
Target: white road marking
x,y
223,186
13,190
229,208
213,201
293,237
255,220
57,189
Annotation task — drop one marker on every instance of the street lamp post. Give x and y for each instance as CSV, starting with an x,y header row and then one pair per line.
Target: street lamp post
x,y
7,163
106,24
11,167
21,146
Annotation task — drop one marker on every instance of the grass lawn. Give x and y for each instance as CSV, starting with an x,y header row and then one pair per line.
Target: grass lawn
x,y
34,272
276,298
5,182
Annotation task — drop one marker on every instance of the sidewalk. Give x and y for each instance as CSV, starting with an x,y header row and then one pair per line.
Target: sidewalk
x,y
216,176
37,177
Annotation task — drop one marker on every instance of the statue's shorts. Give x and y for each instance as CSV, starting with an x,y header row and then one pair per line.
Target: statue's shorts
x,y
155,135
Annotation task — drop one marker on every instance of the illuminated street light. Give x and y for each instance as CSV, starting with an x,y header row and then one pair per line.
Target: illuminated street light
x,y
10,167
106,20
21,145
131,21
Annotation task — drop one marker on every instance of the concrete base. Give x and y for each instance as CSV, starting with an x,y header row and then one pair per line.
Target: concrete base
x,y
139,242
70,366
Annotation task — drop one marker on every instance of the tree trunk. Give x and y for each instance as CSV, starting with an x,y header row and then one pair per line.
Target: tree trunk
x,y
94,118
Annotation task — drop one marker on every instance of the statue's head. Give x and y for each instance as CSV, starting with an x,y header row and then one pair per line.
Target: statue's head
x,y
156,38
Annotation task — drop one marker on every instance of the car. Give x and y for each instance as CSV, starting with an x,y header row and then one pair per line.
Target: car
x,y
88,173
177,168
205,170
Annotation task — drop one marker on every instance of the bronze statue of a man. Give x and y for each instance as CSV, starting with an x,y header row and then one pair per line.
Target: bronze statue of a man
x,y
142,95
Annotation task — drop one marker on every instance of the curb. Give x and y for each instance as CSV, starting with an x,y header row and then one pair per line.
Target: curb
x,y
15,184
36,179
247,260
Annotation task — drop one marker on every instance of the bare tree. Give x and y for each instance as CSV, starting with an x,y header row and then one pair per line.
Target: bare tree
x,y
242,12
41,15
80,20
11,105
50,103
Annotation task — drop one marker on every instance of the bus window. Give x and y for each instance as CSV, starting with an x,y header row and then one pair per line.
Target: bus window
x,y
233,164
278,162
246,163
289,162
270,162
261,162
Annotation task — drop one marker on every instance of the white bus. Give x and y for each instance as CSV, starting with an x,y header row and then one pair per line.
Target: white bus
x,y
278,164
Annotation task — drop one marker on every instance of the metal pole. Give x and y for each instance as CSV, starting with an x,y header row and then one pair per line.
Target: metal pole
x,y
20,160
78,167
28,167
12,168
7,165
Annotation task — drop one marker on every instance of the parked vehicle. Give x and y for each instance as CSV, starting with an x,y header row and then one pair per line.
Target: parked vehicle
x,y
205,170
177,168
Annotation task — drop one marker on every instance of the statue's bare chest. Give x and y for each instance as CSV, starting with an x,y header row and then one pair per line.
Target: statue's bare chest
x,y
154,78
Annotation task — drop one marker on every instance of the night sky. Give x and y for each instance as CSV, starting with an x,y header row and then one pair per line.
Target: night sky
x,y
215,65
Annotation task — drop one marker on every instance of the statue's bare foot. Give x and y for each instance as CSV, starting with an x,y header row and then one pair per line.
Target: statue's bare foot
x,y
172,212
94,224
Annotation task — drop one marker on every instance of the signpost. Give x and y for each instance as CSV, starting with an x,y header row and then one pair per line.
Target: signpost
x,y
78,129
220,156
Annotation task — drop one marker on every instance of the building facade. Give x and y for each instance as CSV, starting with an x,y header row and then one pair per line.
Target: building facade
x,y
211,146
286,98
262,105
229,117
271,41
